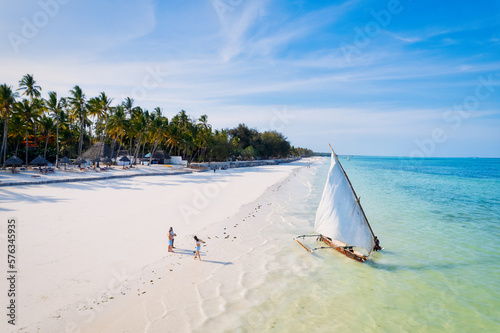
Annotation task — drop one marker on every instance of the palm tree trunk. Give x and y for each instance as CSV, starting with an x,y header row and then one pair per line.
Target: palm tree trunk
x,y
57,140
137,148
46,143
26,147
154,149
104,133
80,144
4,141
113,146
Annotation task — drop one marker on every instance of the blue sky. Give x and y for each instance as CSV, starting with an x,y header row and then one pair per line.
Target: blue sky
x,y
406,78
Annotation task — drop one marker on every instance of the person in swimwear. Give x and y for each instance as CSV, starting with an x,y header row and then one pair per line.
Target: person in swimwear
x,y
170,240
171,232
198,245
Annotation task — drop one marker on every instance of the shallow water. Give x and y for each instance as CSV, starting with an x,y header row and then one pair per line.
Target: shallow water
x,y
439,222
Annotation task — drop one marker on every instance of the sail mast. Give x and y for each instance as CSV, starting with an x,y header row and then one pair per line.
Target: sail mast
x,y
354,192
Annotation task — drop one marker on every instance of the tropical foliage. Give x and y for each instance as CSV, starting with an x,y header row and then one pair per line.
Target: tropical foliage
x,y
66,126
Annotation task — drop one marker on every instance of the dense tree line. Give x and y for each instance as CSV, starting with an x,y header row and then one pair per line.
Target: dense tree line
x,y
58,126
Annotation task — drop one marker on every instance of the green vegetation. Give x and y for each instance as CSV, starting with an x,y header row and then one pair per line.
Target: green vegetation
x,y
67,126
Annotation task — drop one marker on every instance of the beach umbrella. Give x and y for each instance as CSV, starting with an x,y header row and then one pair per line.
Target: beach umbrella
x,y
65,160
107,160
96,161
14,160
80,161
124,159
39,161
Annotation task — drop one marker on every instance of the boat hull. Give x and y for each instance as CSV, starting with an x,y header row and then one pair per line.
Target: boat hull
x,y
345,249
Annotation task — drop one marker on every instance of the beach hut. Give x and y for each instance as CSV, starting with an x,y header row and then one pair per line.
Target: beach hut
x,y
14,161
97,150
124,160
159,157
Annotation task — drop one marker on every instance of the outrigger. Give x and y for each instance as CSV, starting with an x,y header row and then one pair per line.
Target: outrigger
x,y
340,220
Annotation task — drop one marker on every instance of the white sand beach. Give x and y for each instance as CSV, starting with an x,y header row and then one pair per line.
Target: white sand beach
x,y
92,256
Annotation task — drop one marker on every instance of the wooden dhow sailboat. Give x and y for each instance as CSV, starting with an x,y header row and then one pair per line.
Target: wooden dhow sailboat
x,y
340,220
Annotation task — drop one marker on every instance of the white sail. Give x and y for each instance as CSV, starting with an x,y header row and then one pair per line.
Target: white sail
x,y
339,215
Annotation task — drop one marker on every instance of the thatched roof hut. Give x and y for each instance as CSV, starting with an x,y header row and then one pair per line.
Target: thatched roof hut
x,y
93,152
14,160
39,161
65,160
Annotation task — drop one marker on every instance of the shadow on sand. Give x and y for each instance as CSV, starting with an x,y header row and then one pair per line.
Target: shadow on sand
x,y
191,254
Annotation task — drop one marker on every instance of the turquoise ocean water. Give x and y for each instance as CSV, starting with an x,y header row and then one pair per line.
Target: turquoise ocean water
x,y
439,222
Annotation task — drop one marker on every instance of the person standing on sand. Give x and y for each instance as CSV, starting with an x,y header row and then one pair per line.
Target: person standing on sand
x,y
171,235
198,244
171,232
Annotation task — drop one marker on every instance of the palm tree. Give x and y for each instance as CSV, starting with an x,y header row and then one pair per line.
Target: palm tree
x,y
117,125
173,137
157,129
183,128
7,100
65,126
25,111
28,85
55,106
38,110
47,125
131,111
128,105
99,107
204,134
138,125
79,108
18,127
